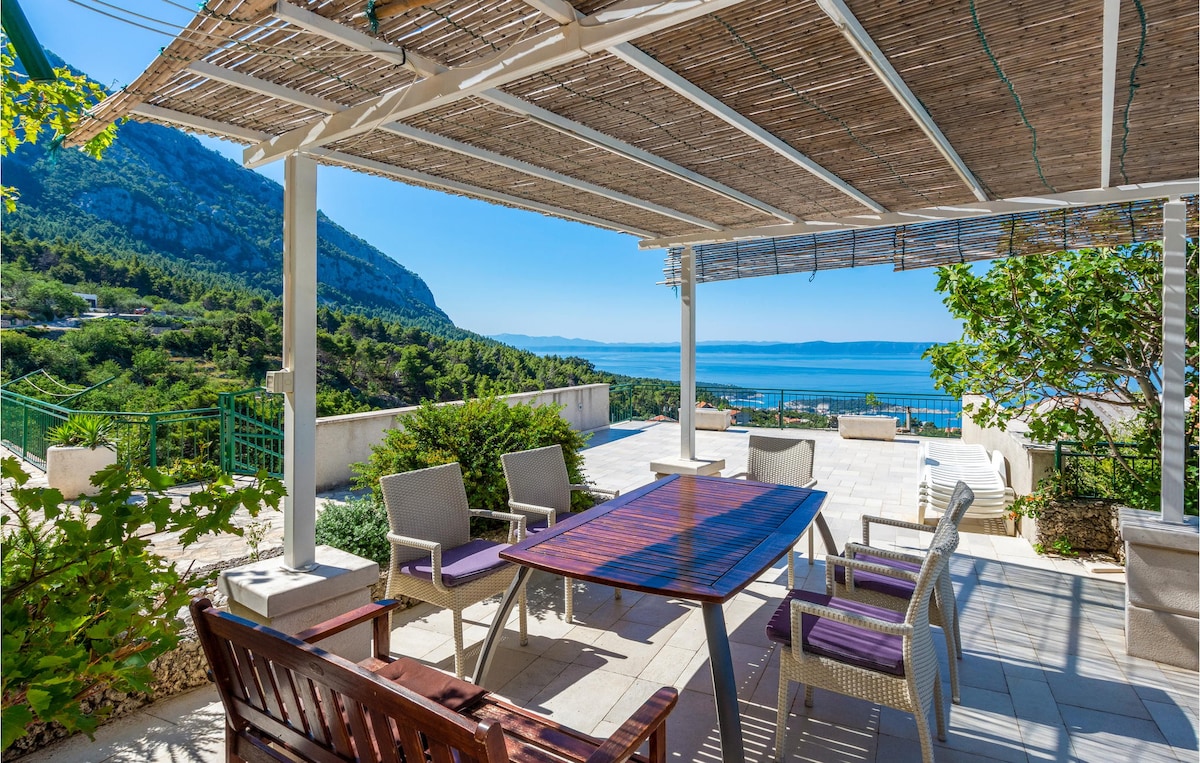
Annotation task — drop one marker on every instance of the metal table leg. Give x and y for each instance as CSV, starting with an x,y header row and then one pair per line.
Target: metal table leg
x,y
729,719
488,649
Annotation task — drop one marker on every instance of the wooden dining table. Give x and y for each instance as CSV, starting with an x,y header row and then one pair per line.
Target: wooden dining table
x,y
688,537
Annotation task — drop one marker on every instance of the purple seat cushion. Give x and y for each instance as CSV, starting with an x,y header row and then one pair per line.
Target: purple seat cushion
x,y
536,527
872,581
841,641
460,564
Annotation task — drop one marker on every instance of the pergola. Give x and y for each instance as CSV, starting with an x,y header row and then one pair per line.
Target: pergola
x,y
746,137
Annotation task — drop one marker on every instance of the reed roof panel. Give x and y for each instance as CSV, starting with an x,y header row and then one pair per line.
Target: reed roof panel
x,y
409,154
791,71
993,74
494,129
614,98
1159,89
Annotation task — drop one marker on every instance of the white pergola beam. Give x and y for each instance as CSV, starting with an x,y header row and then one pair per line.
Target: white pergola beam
x,y
629,151
199,124
264,87
517,165
454,186
869,51
672,80
427,67
1108,85
532,55
1092,197
290,95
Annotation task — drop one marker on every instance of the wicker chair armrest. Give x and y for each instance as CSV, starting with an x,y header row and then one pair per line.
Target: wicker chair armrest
x,y
516,522
851,564
801,607
550,514
854,549
435,554
593,490
868,520
646,721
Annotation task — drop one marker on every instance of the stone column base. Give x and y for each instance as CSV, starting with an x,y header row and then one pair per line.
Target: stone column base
x,y
290,601
1162,590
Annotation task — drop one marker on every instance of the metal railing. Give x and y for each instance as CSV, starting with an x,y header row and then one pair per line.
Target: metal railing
x,y
930,415
252,432
1101,474
171,441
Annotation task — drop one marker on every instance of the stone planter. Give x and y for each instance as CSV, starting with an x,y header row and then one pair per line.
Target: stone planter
x,y
70,469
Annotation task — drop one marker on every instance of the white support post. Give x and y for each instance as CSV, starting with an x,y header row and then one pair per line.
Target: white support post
x,y
1174,442
300,361
687,356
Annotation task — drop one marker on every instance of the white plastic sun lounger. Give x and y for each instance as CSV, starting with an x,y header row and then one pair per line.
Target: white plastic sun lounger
x,y
944,464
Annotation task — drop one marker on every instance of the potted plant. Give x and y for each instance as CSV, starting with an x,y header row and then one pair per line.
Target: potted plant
x,y
79,447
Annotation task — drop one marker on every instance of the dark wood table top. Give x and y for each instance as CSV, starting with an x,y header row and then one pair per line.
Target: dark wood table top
x,y
698,538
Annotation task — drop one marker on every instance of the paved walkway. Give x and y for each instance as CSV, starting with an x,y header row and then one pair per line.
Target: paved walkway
x,y
1044,677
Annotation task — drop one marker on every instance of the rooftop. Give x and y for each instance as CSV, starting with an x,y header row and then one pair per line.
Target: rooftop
x,y
1057,686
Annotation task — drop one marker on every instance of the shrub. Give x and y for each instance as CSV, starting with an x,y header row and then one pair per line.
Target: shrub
x,y
475,434
358,526
87,603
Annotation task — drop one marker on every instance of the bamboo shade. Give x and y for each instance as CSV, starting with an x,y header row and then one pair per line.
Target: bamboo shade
x,y
923,245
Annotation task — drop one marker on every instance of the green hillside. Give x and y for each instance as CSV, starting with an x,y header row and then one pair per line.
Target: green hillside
x,y
181,340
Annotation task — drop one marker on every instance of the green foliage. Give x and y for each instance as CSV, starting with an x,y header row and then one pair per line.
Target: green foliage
x,y
359,526
30,109
220,338
1041,334
474,434
87,604
84,430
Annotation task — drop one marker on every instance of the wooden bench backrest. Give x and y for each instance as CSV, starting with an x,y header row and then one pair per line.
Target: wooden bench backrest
x,y
323,708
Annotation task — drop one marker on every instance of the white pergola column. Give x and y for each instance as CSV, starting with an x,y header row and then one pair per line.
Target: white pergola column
x,y
300,361
1174,438
687,356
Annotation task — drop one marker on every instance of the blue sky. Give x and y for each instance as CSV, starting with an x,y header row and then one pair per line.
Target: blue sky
x,y
496,270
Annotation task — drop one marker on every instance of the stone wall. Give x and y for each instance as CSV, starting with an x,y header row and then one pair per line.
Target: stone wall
x,y
1088,524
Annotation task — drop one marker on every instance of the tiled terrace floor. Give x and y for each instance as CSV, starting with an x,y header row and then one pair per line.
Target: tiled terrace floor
x,y
1044,677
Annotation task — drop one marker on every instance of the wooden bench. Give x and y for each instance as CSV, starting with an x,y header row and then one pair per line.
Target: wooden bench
x,y
287,700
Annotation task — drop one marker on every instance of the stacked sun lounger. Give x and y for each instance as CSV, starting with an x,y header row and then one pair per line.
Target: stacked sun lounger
x,y
944,464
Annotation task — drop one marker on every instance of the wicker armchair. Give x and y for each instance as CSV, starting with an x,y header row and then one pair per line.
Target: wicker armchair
x,y
787,461
893,593
433,557
863,651
538,489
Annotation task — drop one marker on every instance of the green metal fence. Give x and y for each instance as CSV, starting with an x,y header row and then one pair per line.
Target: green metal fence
x,y
171,441
931,415
1124,472
252,432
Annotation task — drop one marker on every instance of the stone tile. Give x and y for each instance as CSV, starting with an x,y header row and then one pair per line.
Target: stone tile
x,y
1114,738
1177,725
560,699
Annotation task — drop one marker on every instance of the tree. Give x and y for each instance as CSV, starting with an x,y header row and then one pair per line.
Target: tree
x,y
30,109
1043,333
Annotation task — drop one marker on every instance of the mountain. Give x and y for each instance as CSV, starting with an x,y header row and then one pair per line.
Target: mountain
x,y
160,193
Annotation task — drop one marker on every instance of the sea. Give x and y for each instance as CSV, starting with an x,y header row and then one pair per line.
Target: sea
x,y
881,368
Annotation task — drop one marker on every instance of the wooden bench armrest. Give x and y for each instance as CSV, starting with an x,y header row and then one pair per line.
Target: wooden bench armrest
x,y
647,721
375,612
